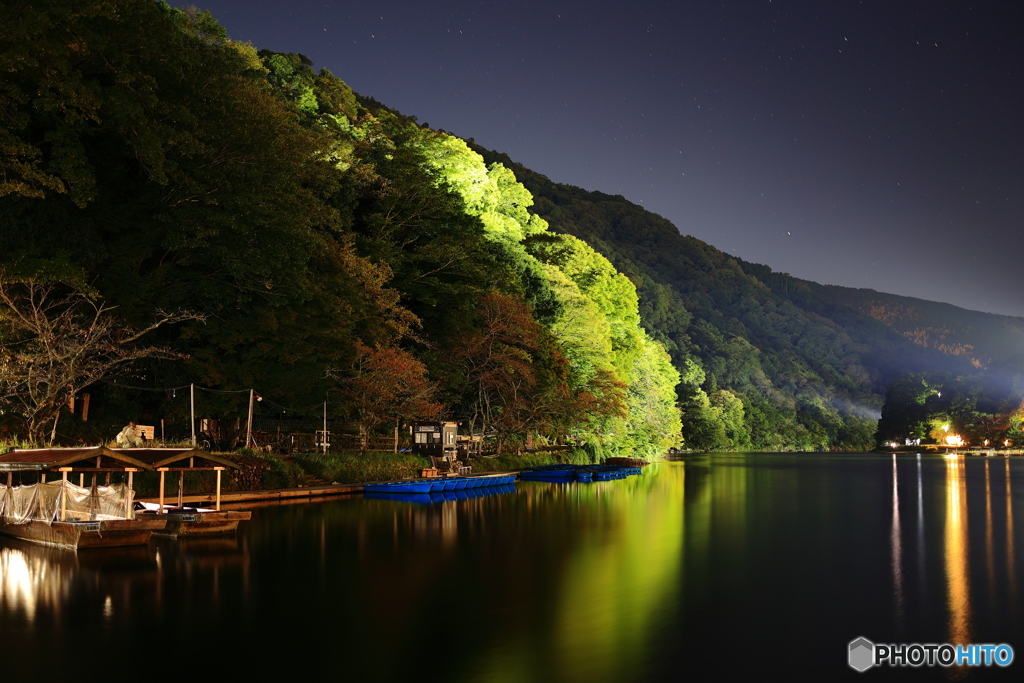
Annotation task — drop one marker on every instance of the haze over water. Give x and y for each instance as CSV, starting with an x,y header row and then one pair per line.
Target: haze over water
x,y
721,563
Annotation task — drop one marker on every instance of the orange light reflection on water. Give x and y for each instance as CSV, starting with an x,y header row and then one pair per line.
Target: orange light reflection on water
x,y
958,585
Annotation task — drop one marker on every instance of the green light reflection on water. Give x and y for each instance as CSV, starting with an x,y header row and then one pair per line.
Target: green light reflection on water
x,y
619,576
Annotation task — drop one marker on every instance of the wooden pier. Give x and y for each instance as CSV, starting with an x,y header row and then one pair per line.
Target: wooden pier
x,y
297,495
302,492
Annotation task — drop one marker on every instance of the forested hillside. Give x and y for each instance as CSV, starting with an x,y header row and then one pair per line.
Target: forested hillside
x,y
981,338
289,236
768,360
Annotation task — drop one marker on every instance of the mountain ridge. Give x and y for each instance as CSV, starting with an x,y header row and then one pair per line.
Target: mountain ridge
x,y
808,357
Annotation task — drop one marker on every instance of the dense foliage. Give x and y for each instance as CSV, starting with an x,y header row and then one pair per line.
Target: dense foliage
x,y
330,246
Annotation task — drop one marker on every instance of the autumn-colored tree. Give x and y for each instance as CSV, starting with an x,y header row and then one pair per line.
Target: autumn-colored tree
x,y
498,359
386,384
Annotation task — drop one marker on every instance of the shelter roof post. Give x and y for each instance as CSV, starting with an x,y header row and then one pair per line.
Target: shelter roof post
x,y
64,493
219,470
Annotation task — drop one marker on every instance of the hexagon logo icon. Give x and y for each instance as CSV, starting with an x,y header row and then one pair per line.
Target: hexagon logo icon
x,y
862,654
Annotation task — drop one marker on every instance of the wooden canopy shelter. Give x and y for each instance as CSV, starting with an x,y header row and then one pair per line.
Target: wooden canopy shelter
x,y
94,459
91,460
99,459
182,460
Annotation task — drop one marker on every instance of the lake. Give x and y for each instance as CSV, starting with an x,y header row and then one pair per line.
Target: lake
x,y
724,564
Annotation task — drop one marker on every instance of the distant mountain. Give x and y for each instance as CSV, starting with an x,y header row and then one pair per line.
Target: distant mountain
x,y
983,338
783,362
980,339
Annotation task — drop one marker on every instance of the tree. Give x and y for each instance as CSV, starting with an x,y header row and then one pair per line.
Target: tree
x,y
908,407
55,341
498,360
386,383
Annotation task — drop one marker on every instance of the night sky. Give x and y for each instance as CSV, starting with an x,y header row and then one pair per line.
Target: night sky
x,y
863,143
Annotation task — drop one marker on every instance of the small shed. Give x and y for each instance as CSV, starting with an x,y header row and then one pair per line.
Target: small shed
x,y
434,439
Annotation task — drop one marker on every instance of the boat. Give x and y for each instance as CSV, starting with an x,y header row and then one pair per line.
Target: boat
x,y
631,462
107,533
182,520
550,473
443,496
580,473
190,521
398,487
440,485
59,513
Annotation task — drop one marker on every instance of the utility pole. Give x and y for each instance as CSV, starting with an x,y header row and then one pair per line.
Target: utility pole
x,y
192,401
325,428
248,434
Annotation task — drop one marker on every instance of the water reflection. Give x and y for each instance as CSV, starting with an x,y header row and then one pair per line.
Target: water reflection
x,y
583,605
28,581
1011,566
956,553
990,560
896,547
37,580
616,581
613,581
921,565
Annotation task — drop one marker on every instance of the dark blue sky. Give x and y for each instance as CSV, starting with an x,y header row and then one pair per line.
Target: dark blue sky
x,y
862,143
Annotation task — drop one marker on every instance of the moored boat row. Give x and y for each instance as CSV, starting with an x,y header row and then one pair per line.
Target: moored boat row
x,y
444,496
59,513
423,488
582,473
439,485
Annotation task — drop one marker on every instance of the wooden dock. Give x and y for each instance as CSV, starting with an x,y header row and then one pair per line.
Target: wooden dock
x,y
299,493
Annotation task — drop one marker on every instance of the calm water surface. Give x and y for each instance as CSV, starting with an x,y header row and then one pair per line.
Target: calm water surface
x,y
722,564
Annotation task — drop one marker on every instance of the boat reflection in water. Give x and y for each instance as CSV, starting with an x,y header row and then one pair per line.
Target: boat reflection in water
x,y
61,605
36,578
39,581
